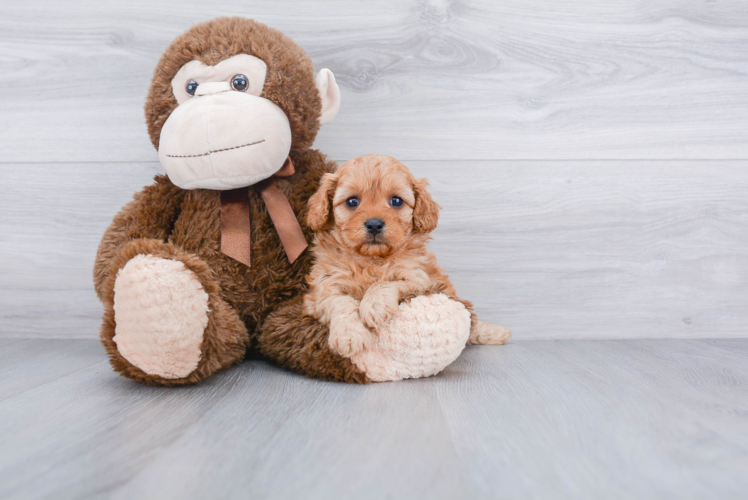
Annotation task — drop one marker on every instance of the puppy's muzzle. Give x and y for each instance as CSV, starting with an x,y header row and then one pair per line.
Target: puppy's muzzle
x,y
374,226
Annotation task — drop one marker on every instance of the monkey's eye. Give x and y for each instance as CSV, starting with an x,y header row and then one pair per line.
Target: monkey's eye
x,y
191,87
240,83
396,201
351,202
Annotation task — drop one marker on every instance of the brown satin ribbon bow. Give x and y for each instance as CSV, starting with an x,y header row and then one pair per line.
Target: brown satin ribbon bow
x,y
235,229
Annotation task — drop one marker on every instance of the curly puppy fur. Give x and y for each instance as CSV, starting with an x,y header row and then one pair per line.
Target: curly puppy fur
x,y
166,221
361,274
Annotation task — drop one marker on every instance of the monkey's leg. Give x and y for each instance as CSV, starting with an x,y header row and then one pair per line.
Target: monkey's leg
x,y
428,333
299,343
164,320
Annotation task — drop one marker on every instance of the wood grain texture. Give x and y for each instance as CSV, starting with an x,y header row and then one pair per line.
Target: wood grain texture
x,y
551,249
53,218
597,250
420,79
661,419
467,93
27,363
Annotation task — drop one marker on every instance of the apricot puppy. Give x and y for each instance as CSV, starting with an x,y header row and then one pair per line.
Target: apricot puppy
x,y
372,220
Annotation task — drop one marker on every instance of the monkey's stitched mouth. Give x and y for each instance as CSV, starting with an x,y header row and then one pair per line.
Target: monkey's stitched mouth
x,y
215,151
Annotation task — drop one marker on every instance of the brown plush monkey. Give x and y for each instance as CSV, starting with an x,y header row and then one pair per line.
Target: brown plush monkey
x,y
177,306
210,261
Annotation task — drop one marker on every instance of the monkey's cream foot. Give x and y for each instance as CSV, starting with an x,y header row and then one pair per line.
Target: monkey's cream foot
x,y
348,336
160,311
426,335
488,334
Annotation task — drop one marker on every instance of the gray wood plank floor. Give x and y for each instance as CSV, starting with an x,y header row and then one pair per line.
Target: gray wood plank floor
x,y
655,419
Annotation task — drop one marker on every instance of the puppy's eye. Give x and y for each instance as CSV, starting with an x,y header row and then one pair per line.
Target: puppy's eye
x,y
396,201
351,202
240,83
191,87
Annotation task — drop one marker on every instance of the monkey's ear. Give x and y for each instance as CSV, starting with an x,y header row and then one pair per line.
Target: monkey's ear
x,y
321,202
330,94
425,210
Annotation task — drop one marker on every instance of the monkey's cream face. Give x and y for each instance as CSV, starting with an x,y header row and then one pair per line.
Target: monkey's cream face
x,y
223,135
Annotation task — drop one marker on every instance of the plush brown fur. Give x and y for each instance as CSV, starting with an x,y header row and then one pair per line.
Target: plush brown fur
x,y
225,338
166,221
359,279
300,343
289,81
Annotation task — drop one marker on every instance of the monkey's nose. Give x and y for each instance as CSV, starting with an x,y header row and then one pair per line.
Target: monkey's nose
x,y
374,225
209,88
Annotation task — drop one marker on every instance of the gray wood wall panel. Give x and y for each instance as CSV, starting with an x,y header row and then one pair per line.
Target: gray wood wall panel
x,y
591,158
553,249
420,80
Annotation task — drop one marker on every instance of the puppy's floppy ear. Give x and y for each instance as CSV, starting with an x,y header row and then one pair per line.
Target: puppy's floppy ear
x,y
425,210
321,202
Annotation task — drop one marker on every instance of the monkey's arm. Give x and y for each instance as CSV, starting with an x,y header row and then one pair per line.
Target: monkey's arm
x,y
150,215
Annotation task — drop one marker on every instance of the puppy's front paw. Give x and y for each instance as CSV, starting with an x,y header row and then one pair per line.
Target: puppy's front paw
x,y
488,334
348,336
378,305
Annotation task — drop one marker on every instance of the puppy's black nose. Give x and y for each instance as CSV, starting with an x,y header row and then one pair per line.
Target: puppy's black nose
x,y
374,226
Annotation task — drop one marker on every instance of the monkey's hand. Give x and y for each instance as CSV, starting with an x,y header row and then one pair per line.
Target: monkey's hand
x,y
348,336
381,301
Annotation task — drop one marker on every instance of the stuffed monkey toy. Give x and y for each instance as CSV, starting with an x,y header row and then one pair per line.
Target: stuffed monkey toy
x,y
209,261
